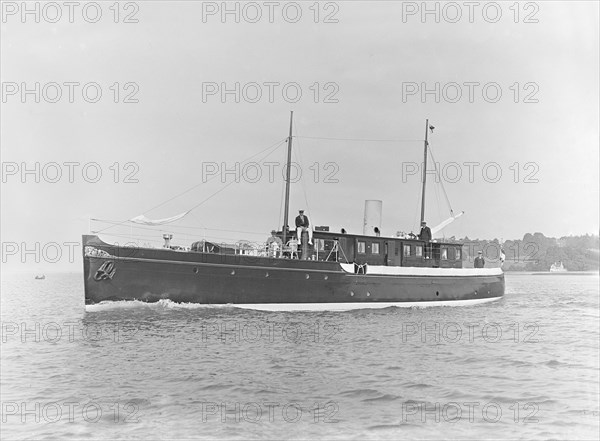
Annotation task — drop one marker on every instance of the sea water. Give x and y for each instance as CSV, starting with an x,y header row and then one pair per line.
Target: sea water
x,y
523,367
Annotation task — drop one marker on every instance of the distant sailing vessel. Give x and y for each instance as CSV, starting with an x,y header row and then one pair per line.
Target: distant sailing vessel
x,y
339,271
557,267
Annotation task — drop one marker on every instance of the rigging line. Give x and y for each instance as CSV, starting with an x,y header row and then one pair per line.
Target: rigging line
x,y
137,236
281,202
224,240
110,226
437,199
441,182
436,191
234,181
201,226
360,139
298,155
151,228
274,147
190,234
439,210
417,204
158,239
181,226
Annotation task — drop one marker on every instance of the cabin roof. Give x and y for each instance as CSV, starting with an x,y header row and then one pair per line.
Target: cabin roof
x,y
332,235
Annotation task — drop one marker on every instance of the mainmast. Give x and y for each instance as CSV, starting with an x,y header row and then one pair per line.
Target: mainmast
x,y
287,182
424,173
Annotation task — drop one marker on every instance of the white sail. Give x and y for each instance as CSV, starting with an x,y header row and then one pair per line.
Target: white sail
x,y
141,219
446,223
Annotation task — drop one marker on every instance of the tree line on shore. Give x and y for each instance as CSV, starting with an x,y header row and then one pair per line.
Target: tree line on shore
x,y
536,252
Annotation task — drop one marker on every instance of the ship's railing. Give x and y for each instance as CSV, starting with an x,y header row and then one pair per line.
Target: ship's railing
x,y
328,250
241,247
322,250
247,248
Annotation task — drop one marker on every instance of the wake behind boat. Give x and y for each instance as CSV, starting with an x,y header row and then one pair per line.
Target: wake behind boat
x,y
300,269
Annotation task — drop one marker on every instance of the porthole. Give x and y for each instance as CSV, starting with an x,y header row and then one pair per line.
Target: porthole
x,y
195,270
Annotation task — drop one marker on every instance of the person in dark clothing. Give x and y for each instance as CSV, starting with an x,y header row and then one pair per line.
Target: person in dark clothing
x,y
303,224
479,260
425,233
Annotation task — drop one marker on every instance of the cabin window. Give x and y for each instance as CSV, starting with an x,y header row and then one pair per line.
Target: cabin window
x,y
375,248
320,244
406,250
457,254
361,247
419,251
444,255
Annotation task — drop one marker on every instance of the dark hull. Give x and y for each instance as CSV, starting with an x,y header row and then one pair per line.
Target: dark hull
x,y
121,273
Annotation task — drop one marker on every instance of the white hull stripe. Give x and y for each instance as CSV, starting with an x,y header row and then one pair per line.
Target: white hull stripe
x,y
417,271
356,305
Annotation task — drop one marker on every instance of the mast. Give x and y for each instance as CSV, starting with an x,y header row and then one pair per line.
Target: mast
x,y
424,173
287,181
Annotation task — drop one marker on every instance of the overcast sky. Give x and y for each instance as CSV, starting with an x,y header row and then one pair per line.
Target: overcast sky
x,y
517,94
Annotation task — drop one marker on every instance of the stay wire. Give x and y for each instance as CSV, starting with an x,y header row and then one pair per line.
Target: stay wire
x,y
274,147
360,139
441,182
298,155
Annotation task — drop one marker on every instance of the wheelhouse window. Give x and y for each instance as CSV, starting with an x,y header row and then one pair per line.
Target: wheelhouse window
x,y
444,255
419,251
457,253
406,250
375,248
361,247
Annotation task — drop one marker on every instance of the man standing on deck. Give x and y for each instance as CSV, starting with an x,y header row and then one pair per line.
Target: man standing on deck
x,y
425,235
302,224
479,260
